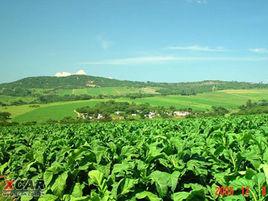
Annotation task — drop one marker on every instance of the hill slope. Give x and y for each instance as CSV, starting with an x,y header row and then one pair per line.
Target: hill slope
x,y
44,85
72,81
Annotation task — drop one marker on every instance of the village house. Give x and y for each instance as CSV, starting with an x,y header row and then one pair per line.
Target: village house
x,y
181,113
100,116
151,115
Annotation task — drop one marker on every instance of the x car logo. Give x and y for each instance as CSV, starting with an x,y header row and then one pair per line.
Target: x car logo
x,y
9,185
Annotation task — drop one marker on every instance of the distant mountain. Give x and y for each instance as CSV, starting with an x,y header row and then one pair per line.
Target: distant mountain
x,y
29,86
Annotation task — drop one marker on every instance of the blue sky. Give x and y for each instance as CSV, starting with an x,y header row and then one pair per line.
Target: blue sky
x,y
156,40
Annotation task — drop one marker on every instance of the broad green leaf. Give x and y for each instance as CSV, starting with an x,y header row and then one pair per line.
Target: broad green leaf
x,y
265,170
180,196
197,195
2,167
98,197
252,156
60,183
48,197
68,197
154,151
126,185
220,177
162,181
265,155
26,198
122,167
105,169
48,176
249,173
174,180
83,198
148,195
198,167
39,156
96,177
259,179
54,169
194,186
240,182
39,149
234,198
78,190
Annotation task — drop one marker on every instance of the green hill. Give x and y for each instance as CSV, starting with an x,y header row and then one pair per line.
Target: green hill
x,y
57,97
45,89
63,86
80,81
86,81
72,81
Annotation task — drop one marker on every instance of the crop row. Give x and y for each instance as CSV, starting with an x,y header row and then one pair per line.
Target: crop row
x,y
141,160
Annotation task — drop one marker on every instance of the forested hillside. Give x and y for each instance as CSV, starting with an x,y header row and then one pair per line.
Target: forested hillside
x,y
44,84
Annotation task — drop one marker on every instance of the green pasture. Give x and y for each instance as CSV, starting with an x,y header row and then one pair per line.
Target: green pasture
x,y
116,91
230,99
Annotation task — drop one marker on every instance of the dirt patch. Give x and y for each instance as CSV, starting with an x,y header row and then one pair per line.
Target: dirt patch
x,y
149,90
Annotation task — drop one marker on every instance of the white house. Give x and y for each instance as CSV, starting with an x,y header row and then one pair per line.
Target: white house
x,y
151,115
181,113
100,116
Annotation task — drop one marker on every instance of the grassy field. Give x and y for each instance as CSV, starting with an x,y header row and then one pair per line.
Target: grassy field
x,y
106,91
55,111
10,99
116,91
230,99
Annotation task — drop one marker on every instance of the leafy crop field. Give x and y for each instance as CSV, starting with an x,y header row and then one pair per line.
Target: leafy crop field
x,y
141,160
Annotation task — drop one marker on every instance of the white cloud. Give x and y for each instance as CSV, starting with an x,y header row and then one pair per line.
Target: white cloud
x,y
133,60
259,50
80,72
65,74
166,59
198,1
197,48
104,43
62,74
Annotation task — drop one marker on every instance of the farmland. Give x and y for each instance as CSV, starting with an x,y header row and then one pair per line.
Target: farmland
x,y
231,99
116,91
134,100
48,89
141,160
